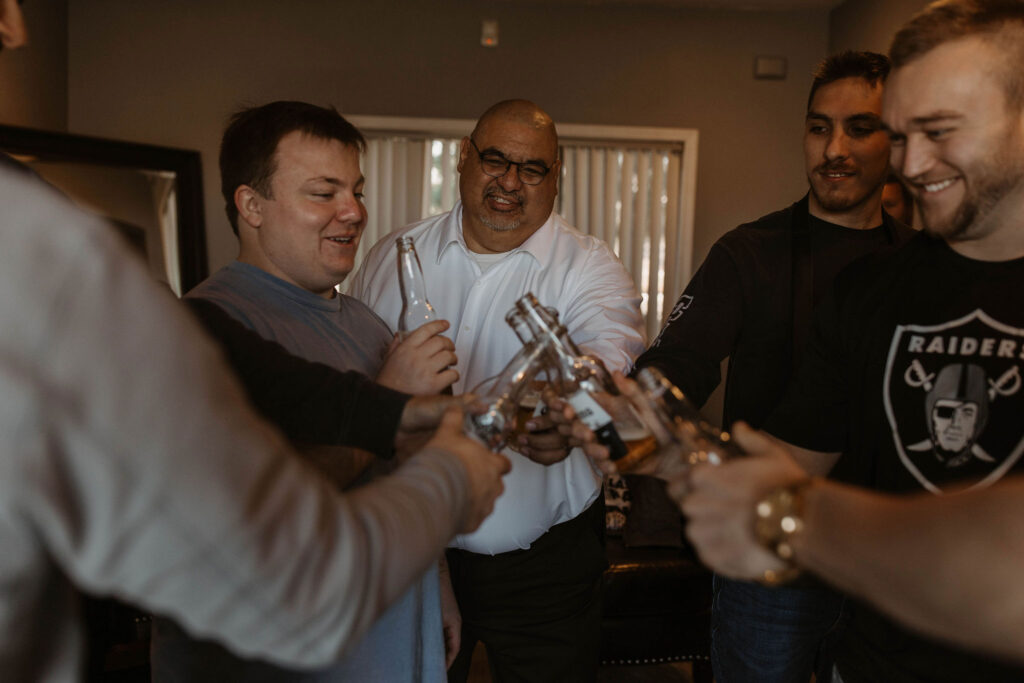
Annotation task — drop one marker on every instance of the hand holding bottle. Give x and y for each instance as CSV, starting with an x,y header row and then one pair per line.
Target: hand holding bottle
x,y
545,437
549,438
417,314
424,363
419,421
684,437
492,416
664,460
584,382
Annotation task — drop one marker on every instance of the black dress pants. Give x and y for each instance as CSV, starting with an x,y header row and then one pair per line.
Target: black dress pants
x,y
537,611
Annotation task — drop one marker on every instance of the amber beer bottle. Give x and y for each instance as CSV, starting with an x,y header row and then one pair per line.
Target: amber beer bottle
x,y
416,309
586,384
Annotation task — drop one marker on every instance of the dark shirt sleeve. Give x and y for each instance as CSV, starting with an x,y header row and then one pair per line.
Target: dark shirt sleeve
x,y
310,402
701,329
815,411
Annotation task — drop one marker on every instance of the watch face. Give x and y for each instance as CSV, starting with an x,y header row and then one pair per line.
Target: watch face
x,y
777,520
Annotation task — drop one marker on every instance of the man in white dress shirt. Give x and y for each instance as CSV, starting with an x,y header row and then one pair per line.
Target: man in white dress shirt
x,y
528,580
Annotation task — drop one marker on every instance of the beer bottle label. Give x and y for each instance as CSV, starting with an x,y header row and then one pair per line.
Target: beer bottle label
x,y
541,409
589,411
598,421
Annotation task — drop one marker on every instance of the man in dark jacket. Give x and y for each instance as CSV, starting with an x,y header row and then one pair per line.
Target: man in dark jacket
x,y
751,301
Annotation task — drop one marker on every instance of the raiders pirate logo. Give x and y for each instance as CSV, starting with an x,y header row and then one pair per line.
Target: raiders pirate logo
x,y
953,399
677,312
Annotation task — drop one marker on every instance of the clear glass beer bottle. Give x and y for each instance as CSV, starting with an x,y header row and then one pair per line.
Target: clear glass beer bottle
x,y
492,415
587,385
416,309
701,441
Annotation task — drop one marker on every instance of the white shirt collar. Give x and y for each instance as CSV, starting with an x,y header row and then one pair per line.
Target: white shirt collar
x,y
539,245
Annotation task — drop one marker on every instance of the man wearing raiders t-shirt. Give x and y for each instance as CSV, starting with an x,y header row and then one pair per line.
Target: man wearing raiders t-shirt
x,y
751,301
912,379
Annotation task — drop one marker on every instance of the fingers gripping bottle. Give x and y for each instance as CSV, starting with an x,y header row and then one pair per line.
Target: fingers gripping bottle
x,y
585,383
492,416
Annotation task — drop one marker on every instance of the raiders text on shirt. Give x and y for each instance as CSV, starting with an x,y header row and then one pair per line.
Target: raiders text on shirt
x,y
966,346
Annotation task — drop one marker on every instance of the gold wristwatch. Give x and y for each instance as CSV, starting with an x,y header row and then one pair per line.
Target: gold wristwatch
x,y
778,517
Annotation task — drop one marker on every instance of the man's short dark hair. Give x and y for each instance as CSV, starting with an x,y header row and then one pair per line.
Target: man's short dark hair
x,y
249,144
1002,21
871,66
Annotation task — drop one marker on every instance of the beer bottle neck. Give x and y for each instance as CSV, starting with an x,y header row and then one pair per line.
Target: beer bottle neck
x,y
410,278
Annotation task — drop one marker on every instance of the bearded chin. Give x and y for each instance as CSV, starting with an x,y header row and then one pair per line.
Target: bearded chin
x,y
958,226
835,204
975,206
507,226
839,202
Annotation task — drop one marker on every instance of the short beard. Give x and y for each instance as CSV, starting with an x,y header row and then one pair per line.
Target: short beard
x,y
1002,176
841,205
501,227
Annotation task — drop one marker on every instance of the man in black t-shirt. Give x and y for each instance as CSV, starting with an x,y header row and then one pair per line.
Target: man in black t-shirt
x,y
912,377
751,301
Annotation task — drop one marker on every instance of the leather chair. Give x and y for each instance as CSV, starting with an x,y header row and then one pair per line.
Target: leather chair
x,y
657,601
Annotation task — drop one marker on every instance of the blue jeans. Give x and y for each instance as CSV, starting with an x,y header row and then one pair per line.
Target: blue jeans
x,y
773,635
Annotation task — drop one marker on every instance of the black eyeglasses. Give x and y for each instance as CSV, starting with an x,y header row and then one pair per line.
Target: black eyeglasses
x,y
496,165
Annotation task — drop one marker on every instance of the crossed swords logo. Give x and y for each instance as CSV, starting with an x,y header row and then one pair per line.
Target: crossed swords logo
x,y
1009,383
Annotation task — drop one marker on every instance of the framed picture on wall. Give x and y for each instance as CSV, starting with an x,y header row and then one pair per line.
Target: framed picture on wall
x,y
152,195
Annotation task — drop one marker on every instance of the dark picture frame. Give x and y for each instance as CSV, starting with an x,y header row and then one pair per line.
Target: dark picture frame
x,y
186,165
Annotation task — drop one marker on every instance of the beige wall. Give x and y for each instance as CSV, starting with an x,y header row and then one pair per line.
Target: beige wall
x,y
34,80
169,73
869,24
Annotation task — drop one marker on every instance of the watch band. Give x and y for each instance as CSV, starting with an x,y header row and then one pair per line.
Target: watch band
x,y
778,519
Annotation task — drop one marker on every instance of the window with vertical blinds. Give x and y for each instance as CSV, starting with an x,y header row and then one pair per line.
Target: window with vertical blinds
x,y
631,187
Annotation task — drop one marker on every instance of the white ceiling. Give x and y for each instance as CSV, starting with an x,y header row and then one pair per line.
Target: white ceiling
x,y
751,5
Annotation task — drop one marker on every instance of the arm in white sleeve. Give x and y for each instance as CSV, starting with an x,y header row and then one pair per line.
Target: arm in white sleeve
x,y
603,317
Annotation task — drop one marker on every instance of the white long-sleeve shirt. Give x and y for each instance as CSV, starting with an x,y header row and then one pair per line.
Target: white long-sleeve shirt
x,y
132,466
596,299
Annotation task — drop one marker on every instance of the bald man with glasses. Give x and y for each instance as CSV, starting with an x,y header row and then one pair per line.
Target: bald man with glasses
x,y
527,582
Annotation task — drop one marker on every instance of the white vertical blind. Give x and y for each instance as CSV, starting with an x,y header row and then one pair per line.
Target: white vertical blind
x,y
397,185
631,197
633,188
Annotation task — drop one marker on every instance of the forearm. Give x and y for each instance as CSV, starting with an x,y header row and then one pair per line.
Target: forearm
x,y
341,465
604,317
319,569
701,330
310,402
697,374
948,566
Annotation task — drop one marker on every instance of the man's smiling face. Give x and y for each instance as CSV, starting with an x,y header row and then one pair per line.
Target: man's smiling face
x,y
307,230
957,142
501,213
846,152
